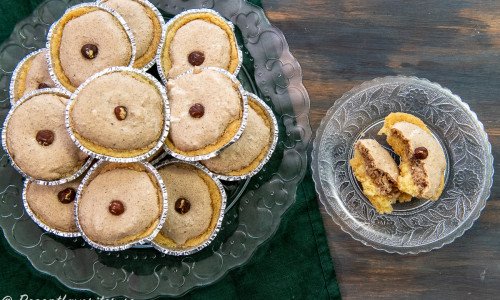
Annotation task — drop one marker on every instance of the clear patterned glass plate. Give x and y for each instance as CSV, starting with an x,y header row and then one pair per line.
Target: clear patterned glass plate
x,y
255,207
417,226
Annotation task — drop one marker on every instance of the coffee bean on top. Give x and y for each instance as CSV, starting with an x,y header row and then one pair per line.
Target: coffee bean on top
x,y
89,51
116,207
43,85
45,137
197,110
121,112
420,153
67,195
196,58
182,205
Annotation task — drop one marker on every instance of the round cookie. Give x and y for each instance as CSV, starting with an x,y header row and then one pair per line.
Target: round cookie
x,y
87,39
198,37
378,174
423,161
146,23
52,206
120,205
195,209
120,114
31,74
209,112
250,153
37,142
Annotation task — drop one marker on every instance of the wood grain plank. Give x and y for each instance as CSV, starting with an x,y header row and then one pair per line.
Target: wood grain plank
x,y
342,43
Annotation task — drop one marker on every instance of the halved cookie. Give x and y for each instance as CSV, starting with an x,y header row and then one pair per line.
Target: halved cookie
x,y
31,74
209,110
37,142
52,206
378,174
198,37
120,205
120,114
87,39
248,155
146,23
423,162
195,209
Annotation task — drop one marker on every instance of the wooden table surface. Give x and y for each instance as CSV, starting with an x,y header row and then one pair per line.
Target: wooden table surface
x,y
340,44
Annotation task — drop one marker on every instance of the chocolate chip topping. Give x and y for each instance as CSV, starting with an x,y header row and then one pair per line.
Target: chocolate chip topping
x,y
89,51
196,58
67,195
182,205
45,137
116,207
420,153
43,85
121,112
197,110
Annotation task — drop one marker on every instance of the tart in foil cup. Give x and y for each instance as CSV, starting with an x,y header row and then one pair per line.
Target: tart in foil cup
x,y
53,28
17,71
28,96
38,220
161,20
101,166
140,157
167,28
244,116
216,223
254,99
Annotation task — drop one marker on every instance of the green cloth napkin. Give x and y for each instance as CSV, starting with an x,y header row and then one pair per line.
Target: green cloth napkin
x,y
294,264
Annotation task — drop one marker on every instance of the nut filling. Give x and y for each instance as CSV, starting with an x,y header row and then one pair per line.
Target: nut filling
x,y
387,186
416,165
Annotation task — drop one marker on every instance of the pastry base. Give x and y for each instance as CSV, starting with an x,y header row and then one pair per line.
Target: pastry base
x,y
165,55
152,227
216,197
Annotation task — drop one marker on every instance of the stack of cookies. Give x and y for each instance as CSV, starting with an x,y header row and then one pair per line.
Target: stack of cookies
x,y
119,157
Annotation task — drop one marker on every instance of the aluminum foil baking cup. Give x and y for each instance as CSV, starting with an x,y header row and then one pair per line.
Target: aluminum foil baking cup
x,y
114,13
19,67
188,251
163,76
93,172
158,15
270,151
166,114
244,118
25,98
39,222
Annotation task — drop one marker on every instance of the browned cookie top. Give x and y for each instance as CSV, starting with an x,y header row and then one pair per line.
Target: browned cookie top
x,y
53,205
37,139
203,105
119,206
121,111
145,25
190,205
85,41
33,74
256,138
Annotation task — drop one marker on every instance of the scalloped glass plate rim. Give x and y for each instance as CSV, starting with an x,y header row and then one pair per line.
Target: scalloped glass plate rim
x,y
379,246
